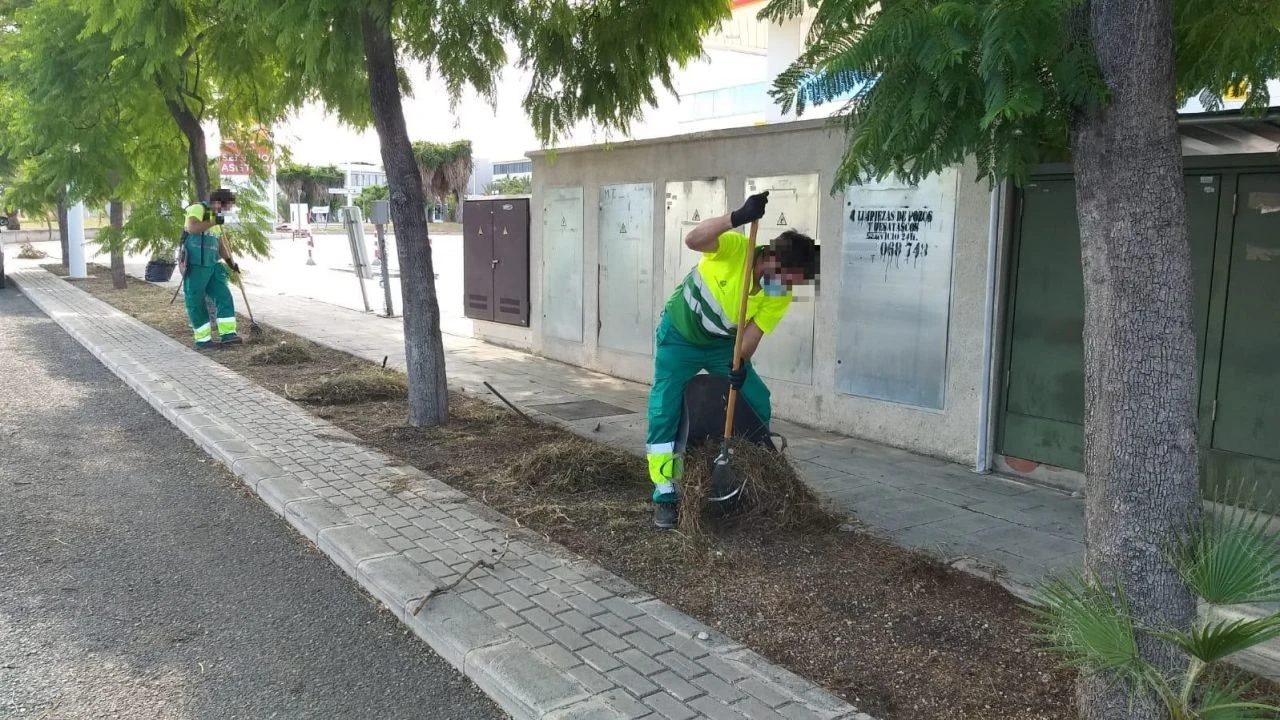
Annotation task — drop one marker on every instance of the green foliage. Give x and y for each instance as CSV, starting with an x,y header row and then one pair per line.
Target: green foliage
x,y
445,168
1228,558
521,185
1221,44
928,83
593,62
368,194
310,182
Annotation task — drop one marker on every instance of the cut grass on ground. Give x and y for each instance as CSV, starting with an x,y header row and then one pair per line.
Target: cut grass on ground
x,y
897,634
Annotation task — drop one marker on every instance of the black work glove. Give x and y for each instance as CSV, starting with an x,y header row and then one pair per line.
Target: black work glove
x,y
234,266
221,220
751,210
737,377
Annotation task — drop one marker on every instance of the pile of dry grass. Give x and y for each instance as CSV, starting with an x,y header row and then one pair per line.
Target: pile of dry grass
x,y
29,252
283,353
355,386
574,465
774,497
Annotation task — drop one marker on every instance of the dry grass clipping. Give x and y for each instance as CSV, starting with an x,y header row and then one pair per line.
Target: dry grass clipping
x,y
774,497
29,252
574,465
356,386
283,353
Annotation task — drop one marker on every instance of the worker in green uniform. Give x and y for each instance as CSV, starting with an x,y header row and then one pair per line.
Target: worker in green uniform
x,y
203,245
698,328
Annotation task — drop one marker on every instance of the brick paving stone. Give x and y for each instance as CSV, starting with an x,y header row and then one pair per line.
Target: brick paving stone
x,y
718,688
762,692
634,682
642,662
681,665
670,707
598,658
540,618
608,641
645,643
677,686
569,637
532,636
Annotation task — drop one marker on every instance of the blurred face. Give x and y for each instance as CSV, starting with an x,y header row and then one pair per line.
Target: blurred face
x,y
769,267
222,206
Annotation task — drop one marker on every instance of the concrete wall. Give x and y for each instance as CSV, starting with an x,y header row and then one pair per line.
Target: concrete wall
x,y
782,149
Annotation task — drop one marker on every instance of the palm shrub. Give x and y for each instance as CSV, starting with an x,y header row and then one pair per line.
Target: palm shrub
x,y
1229,558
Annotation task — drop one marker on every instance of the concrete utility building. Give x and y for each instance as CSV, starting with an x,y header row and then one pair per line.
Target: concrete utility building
x,y
948,318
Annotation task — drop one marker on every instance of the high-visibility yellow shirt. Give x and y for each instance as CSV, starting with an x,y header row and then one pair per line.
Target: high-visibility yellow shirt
x,y
202,248
704,308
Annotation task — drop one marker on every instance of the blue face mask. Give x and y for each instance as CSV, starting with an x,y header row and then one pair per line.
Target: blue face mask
x,y
772,286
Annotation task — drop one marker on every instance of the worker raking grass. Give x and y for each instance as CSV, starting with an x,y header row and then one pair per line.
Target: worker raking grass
x,y
699,326
201,259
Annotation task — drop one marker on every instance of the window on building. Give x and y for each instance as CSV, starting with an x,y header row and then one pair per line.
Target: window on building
x,y
513,168
725,102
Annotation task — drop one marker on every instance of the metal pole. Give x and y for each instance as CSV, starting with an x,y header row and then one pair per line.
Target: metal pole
x,y
983,461
355,235
76,265
386,272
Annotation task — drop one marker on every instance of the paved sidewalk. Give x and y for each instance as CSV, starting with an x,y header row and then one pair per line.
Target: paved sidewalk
x,y
1015,531
544,633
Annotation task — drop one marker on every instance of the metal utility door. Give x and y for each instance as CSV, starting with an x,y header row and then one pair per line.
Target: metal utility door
x,y
1245,412
895,301
478,260
626,267
787,354
562,263
511,261
1043,418
688,203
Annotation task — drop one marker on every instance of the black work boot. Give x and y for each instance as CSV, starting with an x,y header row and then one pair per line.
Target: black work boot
x,y
666,515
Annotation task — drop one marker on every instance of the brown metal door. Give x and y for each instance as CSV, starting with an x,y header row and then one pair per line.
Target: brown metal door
x,y
511,253
478,260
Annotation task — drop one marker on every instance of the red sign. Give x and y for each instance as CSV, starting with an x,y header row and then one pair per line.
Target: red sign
x,y
232,160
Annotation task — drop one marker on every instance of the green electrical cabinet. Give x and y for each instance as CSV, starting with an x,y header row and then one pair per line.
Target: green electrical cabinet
x,y
1234,227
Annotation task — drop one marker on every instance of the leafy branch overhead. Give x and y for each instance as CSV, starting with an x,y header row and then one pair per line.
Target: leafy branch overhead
x,y
924,84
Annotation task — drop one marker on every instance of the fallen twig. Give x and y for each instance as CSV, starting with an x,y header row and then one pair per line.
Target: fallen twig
x,y
508,403
485,563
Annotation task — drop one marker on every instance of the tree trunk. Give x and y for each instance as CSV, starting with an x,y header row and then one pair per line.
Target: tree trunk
x,y
118,279
197,151
1141,456
423,345
15,222
63,234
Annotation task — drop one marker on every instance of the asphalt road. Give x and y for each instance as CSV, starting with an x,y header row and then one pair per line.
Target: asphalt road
x,y
139,580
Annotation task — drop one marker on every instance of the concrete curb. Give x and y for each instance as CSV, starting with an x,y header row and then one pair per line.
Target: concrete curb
x,y
540,655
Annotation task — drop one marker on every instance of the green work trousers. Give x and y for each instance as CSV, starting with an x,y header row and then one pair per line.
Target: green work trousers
x,y
675,362
211,281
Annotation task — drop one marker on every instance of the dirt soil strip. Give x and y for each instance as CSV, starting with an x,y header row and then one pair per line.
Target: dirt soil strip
x,y
891,631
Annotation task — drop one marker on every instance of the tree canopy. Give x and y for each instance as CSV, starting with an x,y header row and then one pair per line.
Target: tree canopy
x,y
933,82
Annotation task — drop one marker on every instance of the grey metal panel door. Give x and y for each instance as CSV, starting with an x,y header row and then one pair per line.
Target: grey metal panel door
x,y
1247,420
511,269
562,288
477,260
626,267
1044,382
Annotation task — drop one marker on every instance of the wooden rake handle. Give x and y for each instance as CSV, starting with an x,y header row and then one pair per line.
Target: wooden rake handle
x,y
749,278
